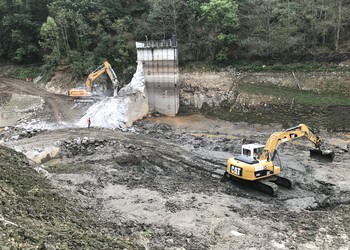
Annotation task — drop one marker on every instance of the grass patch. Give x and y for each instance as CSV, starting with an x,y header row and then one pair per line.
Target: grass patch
x,y
331,118
61,168
29,71
24,72
300,96
259,66
200,66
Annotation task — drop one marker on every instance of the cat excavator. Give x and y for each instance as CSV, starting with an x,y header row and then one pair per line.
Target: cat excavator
x,y
88,91
255,166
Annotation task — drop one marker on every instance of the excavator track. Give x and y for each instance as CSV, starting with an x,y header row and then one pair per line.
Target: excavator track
x,y
267,185
281,181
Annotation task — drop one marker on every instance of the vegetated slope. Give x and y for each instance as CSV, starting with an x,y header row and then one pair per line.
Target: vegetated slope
x,y
34,214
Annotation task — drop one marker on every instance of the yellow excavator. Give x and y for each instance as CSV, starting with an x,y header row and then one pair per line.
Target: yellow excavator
x,y
255,166
88,91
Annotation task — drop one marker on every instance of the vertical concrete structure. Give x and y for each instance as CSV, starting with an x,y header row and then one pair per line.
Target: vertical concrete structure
x,y
161,70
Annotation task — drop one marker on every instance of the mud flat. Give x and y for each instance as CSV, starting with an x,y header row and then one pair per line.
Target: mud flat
x,y
160,184
17,107
156,185
8,118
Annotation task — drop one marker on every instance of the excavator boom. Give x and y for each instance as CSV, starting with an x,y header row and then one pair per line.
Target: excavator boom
x,y
291,134
87,91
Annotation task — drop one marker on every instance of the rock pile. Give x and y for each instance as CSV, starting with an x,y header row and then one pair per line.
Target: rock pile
x,y
81,146
16,133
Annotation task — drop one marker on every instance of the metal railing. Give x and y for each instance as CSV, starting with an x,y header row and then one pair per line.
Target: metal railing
x,y
160,43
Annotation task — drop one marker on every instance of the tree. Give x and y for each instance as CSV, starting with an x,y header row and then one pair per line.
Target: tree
x,y
20,24
220,21
87,33
166,17
270,28
49,34
342,17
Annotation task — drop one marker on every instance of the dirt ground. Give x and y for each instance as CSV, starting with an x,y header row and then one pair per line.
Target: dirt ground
x,y
158,182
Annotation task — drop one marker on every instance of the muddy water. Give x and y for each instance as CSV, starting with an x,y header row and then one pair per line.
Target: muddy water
x,y
199,124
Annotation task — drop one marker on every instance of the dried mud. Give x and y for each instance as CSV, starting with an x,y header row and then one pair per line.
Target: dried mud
x,y
157,186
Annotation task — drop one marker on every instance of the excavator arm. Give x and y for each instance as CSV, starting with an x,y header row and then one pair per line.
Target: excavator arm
x,y
86,92
92,77
105,67
112,75
293,133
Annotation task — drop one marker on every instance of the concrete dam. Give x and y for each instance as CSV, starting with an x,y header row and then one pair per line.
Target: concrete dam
x,y
160,66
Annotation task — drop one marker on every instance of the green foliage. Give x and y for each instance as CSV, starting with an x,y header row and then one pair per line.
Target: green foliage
x,y
166,17
80,62
66,168
20,22
23,72
81,34
272,28
220,19
50,43
221,12
49,33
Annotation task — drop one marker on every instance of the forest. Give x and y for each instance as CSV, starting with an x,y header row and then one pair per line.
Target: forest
x,y
79,34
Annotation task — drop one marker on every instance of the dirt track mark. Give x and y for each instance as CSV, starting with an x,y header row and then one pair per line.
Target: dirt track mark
x,y
163,183
57,108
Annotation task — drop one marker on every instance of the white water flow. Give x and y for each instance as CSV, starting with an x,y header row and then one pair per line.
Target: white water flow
x,y
122,110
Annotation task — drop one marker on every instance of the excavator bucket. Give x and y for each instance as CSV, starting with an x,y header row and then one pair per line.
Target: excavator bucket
x,y
323,155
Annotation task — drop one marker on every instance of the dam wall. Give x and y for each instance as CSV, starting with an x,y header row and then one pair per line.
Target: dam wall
x,y
161,70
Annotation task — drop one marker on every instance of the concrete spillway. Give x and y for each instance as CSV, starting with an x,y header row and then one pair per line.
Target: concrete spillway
x,y
160,65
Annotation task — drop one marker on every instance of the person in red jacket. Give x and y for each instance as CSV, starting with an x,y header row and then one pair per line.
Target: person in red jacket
x,y
89,122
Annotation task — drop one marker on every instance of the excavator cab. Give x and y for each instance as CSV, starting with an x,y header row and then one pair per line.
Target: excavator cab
x,y
79,92
253,150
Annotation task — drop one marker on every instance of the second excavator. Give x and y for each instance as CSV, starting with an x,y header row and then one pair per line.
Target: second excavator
x,y
88,91
255,166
